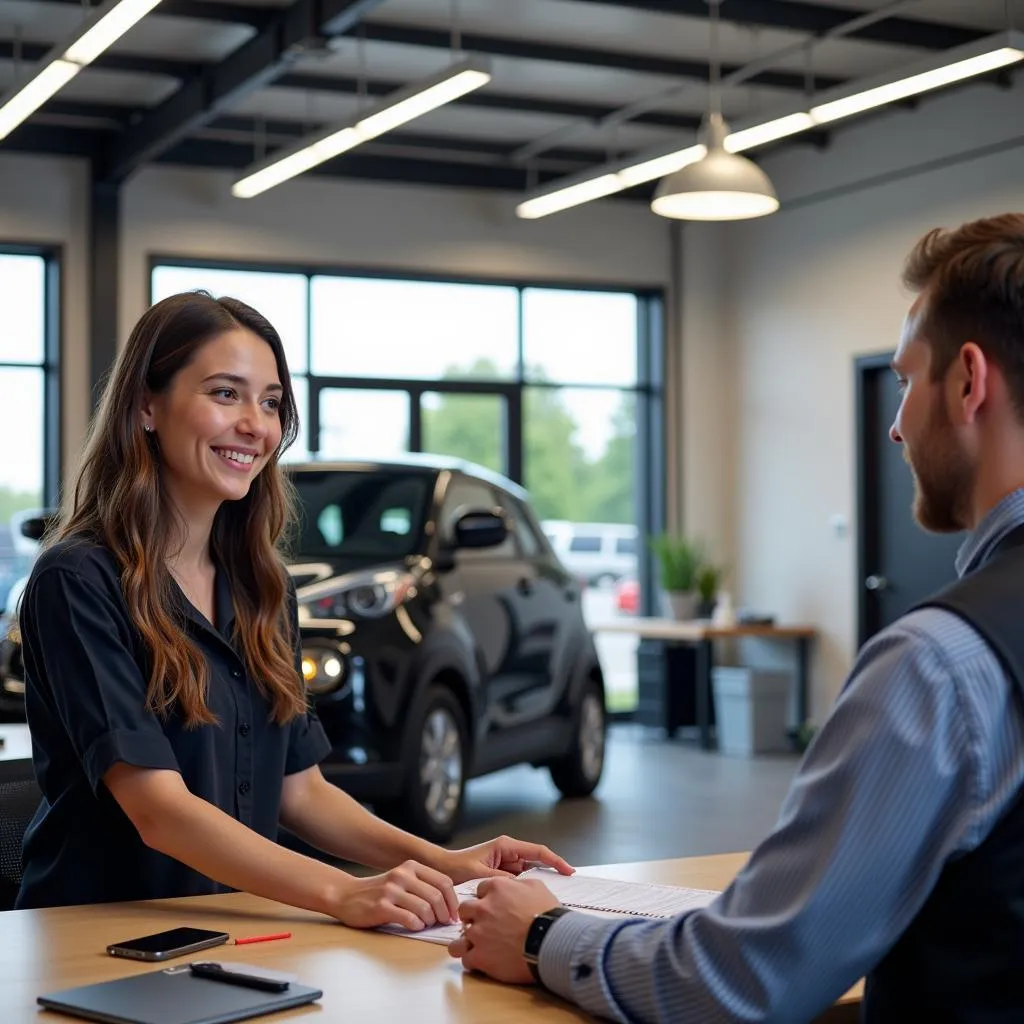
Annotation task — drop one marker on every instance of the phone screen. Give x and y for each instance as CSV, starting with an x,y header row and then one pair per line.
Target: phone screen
x,y
170,941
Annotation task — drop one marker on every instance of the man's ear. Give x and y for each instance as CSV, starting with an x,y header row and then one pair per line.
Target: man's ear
x,y
974,381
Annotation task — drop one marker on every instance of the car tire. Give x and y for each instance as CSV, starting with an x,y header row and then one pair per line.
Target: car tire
x,y
578,772
434,788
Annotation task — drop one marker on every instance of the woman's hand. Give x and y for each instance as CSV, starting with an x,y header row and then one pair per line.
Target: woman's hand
x,y
411,895
502,857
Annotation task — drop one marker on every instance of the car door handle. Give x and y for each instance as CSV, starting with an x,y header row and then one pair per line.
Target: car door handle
x,y
525,587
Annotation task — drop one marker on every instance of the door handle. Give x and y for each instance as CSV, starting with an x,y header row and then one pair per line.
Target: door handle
x,y
876,583
525,587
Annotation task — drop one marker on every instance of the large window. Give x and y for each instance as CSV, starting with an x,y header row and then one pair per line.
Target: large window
x,y
557,388
28,380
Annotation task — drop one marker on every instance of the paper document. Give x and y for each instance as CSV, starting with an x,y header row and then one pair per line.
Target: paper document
x,y
604,896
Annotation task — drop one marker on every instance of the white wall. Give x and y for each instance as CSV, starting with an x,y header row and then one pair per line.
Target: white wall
x,y
808,290
184,212
44,201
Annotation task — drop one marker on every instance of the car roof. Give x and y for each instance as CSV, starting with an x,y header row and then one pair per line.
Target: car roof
x,y
427,465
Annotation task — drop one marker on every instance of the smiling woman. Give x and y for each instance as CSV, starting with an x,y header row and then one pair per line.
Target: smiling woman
x,y
163,676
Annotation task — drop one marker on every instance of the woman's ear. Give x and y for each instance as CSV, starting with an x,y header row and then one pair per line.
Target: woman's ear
x,y
147,412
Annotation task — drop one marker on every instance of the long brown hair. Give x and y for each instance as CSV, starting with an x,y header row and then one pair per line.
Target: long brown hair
x,y
119,501
974,278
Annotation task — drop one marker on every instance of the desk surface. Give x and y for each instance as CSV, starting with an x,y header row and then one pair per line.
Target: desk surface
x,y
17,744
364,975
698,629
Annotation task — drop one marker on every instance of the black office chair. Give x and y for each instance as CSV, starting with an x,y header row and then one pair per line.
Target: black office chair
x,y
19,799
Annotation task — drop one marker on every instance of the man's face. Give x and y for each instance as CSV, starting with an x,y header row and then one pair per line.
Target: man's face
x,y
943,470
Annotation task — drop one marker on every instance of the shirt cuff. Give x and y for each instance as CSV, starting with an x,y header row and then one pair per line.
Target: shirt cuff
x,y
572,958
149,749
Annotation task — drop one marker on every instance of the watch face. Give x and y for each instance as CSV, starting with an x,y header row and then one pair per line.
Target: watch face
x,y
538,929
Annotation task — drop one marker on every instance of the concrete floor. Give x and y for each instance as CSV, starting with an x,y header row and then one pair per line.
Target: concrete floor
x,y
658,798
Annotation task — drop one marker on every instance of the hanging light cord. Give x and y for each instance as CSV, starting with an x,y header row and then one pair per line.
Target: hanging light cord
x,y
715,63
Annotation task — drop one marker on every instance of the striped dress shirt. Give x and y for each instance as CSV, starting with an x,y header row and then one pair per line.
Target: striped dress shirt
x,y
921,756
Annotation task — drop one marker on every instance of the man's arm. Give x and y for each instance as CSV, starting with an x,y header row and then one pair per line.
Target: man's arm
x,y
890,789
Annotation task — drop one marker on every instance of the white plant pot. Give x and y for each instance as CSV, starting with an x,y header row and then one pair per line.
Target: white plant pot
x,y
683,604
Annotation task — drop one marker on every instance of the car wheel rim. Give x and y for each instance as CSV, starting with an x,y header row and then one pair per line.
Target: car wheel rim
x,y
591,736
441,766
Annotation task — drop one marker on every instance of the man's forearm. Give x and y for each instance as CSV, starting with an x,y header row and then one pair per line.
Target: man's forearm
x,y
329,819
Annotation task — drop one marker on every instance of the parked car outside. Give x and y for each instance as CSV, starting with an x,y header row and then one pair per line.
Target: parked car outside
x,y
600,553
442,639
627,596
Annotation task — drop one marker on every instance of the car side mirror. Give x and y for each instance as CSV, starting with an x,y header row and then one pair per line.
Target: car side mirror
x,y
480,530
34,528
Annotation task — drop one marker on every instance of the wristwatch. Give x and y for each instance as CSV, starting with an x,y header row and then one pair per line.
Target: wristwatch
x,y
535,937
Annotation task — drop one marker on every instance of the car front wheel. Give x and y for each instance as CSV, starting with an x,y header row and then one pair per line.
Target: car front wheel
x,y
579,771
434,789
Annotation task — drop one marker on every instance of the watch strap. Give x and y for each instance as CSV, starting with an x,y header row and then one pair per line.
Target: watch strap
x,y
539,928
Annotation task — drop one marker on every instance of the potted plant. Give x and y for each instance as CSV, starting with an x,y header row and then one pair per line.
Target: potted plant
x,y
709,578
680,560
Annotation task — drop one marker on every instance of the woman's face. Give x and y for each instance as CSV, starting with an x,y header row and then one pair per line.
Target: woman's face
x,y
219,421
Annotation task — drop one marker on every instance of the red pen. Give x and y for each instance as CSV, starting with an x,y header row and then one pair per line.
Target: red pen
x,y
262,938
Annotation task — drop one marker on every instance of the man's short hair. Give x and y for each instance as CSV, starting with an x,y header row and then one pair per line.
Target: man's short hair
x,y
972,279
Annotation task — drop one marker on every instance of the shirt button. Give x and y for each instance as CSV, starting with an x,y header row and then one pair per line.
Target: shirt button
x,y
244,729
237,673
243,788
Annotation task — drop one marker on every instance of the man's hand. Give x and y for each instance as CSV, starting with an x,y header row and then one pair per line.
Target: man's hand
x,y
498,858
495,927
411,895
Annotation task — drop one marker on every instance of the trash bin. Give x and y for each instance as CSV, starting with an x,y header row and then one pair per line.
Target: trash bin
x,y
751,707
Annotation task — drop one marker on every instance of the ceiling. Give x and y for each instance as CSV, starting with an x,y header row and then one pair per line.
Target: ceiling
x,y
221,82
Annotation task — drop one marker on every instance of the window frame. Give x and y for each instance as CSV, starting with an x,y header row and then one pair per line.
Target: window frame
x,y
53,347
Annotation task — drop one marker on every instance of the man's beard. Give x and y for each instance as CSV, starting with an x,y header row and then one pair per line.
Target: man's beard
x,y
943,476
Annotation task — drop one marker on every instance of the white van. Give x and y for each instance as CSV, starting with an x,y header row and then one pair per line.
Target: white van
x,y
598,553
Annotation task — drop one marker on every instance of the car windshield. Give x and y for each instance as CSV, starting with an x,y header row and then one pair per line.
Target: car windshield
x,y
362,515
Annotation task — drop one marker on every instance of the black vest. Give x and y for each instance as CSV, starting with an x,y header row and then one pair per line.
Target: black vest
x,y
962,958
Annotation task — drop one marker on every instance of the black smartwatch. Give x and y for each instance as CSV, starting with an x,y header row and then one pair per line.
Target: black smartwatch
x,y
535,937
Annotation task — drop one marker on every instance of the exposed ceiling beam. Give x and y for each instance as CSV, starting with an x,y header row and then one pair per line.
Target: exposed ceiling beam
x,y
500,46
485,99
209,153
53,140
255,63
207,10
32,52
280,132
814,19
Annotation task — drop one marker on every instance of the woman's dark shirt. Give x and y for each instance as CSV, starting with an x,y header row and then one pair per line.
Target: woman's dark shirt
x,y
86,676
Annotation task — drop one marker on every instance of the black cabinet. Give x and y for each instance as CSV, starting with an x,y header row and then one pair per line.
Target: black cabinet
x,y
667,676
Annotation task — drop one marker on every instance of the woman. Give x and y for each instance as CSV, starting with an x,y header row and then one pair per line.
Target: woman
x,y
170,729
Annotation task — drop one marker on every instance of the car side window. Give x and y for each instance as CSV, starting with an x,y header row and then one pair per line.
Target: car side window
x,y
467,495
587,543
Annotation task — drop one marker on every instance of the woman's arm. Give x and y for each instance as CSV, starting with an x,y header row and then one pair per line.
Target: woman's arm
x,y
181,825
329,819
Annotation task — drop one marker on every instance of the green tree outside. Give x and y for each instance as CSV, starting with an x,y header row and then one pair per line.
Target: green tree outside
x,y
563,482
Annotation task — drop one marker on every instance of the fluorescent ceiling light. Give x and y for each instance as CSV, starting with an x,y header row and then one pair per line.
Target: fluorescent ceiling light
x,y
100,29
107,28
401,106
649,170
913,85
770,131
423,101
978,58
572,195
34,93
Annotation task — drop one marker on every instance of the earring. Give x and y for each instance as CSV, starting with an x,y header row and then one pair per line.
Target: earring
x,y
148,429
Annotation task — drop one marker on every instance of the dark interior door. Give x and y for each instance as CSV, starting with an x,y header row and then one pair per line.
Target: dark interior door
x,y
899,564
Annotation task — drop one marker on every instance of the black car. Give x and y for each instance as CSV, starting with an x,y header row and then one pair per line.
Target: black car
x,y
442,639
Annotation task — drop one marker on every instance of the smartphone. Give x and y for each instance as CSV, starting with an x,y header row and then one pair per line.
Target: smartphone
x,y
165,945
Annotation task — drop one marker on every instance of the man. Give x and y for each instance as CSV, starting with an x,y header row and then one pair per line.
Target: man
x,y
899,850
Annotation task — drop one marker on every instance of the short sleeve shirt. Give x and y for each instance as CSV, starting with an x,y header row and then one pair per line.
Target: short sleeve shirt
x,y
86,677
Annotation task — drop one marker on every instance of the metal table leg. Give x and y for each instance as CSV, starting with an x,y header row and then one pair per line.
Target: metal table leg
x,y
803,645
705,658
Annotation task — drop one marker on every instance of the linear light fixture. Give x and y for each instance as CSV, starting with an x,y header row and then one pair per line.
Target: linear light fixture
x,y
103,27
983,56
400,107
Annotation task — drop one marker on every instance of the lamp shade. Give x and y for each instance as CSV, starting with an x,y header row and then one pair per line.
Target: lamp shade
x,y
721,186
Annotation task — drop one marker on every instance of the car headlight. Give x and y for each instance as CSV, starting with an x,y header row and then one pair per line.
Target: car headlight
x,y
368,595
324,669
